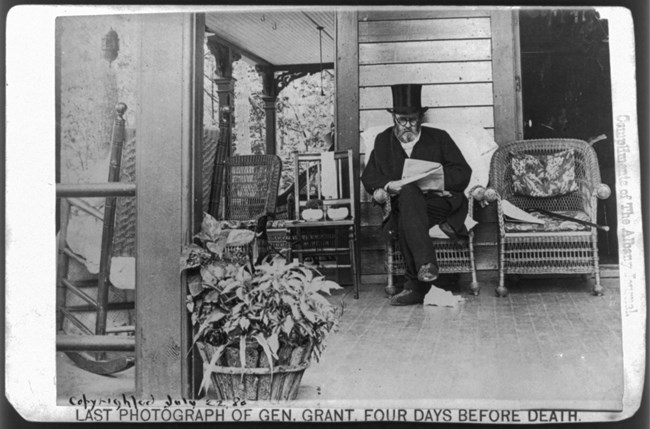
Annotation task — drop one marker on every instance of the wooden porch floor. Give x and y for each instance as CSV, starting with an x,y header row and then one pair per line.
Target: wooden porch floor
x,y
549,344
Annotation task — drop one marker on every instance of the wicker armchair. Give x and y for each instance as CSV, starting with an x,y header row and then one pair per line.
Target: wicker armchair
x,y
249,197
251,186
557,246
452,257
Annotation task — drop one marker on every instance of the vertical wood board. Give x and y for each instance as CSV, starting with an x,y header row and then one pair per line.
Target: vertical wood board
x,y
347,91
505,78
166,127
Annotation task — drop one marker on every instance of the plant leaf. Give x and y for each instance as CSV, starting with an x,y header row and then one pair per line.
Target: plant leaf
x,y
309,274
327,285
203,237
274,343
216,247
193,256
194,284
212,296
242,354
211,227
267,350
240,293
213,272
287,325
309,314
319,299
240,237
215,316
208,370
244,323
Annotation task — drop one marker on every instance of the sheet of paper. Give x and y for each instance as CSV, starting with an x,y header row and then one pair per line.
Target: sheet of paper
x,y
514,213
442,298
428,175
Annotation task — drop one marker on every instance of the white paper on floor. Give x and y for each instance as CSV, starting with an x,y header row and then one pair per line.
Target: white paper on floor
x,y
442,298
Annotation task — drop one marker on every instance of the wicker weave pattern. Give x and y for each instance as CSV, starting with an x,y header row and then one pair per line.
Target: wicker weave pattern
x,y
452,258
251,186
586,170
548,252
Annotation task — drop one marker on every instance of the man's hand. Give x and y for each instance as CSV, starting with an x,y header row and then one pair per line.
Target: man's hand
x,y
393,188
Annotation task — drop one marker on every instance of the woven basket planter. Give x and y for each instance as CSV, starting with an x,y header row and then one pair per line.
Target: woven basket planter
x,y
255,381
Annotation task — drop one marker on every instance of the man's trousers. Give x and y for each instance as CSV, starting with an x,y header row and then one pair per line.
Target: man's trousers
x,y
417,213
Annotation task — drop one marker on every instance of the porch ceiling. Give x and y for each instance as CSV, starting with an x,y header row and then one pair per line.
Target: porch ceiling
x,y
288,37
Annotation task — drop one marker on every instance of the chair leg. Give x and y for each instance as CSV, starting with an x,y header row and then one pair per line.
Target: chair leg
x,y
354,262
501,290
598,288
475,287
390,288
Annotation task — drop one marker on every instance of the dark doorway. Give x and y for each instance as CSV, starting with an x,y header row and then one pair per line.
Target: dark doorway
x,y
566,92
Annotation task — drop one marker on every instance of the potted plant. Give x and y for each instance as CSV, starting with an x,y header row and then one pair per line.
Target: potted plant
x,y
256,326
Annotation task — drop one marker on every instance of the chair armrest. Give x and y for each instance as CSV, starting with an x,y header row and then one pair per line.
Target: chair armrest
x,y
380,196
602,191
485,196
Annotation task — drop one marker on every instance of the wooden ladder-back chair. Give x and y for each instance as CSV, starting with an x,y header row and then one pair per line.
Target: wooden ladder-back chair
x,y
558,246
250,193
107,355
326,188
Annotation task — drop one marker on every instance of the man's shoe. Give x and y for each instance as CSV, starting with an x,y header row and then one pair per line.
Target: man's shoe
x,y
407,297
428,272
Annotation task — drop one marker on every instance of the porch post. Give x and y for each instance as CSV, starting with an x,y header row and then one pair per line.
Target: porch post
x,y
347,93
224,56
270,97
168,147
508,118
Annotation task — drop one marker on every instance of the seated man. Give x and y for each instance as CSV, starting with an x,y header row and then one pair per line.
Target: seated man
x,y
415,211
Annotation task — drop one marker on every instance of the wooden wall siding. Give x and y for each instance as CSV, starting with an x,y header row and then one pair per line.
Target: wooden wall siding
x,y
425,73
447,95
450,52
424,29
377,14
424,51
482,115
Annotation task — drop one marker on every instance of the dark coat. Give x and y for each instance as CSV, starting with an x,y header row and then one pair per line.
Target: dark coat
x,y
386,163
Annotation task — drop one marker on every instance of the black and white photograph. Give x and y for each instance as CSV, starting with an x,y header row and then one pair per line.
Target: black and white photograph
x,y
324,214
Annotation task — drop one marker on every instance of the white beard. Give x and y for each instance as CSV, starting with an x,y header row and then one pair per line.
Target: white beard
x,y
407,137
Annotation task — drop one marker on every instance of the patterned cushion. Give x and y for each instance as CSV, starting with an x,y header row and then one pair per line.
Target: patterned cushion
x,y
544,175
552,224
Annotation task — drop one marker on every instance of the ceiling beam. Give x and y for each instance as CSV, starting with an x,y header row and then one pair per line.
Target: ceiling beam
x,y
309,68
255,58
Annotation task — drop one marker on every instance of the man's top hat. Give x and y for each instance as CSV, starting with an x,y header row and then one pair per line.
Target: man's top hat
x,y
407,98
